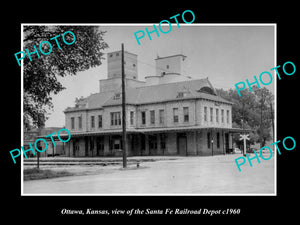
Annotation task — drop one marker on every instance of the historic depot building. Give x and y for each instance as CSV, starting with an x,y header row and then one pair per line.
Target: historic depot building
x,y
167,114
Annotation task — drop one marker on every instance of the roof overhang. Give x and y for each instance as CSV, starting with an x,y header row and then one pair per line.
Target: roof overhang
x,y
152,130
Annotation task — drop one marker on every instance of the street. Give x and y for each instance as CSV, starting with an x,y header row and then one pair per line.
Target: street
x,y
184,175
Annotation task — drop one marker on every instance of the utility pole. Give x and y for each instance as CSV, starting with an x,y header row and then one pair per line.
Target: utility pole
x,y
123,112
40,125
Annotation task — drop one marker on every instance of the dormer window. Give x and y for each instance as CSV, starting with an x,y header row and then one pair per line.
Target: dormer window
x,y
181,94
206,90
117,96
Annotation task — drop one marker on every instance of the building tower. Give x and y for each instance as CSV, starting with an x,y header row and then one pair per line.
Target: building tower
x,y
170,65
114,72
169,69
114,65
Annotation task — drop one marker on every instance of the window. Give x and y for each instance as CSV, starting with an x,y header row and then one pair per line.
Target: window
x,y
175,115
99,121
227,116
222,115
117,96
186,114
152,117
161,116
80,122
92,121
205,113
117,144
163,141
72,123
217,115
181,94
143,114
211,114
131,117
208,140
115,118
218,140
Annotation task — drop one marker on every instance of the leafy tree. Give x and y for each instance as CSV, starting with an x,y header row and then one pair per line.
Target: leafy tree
x,y
40,74
251,110
264,100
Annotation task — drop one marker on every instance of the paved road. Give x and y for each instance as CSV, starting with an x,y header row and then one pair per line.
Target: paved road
x,y
186,175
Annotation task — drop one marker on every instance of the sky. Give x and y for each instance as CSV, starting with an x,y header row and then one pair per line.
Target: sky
x,y
226,54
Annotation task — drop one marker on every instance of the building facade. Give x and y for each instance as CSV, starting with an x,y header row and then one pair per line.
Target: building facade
x,y
167,114
30,136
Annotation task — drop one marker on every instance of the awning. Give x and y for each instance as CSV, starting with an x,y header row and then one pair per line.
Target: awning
x,y
90,133
191,128
150,130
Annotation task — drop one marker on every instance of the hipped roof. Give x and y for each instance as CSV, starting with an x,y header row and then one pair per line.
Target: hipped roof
x,y
153,94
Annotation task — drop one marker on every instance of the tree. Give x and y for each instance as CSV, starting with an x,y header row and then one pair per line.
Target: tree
x,y
264,100
40,74
243,108
251,110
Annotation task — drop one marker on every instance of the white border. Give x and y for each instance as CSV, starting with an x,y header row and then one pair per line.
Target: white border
x,y
151,24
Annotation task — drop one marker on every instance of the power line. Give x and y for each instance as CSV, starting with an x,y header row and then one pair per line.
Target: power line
x,y
153,66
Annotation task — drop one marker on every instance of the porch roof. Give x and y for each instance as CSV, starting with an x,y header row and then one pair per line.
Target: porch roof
x,y
190,128
150,130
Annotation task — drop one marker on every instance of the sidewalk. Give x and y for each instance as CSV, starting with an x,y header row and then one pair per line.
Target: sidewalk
x,y
58,160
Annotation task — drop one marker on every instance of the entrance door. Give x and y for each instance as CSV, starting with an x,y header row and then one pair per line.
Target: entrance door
x,y
152,139
100,146
86,139
75,147
181,144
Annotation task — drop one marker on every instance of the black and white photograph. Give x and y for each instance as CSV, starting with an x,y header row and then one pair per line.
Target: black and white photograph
x,y
184,118
122,112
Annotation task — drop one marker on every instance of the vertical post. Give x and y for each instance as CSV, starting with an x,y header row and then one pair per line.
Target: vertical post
x,y
223,142
123,112
195,142
40,125
244,153
212,143
38,159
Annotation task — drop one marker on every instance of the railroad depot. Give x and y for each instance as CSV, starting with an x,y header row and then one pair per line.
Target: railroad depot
x,y
167,114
